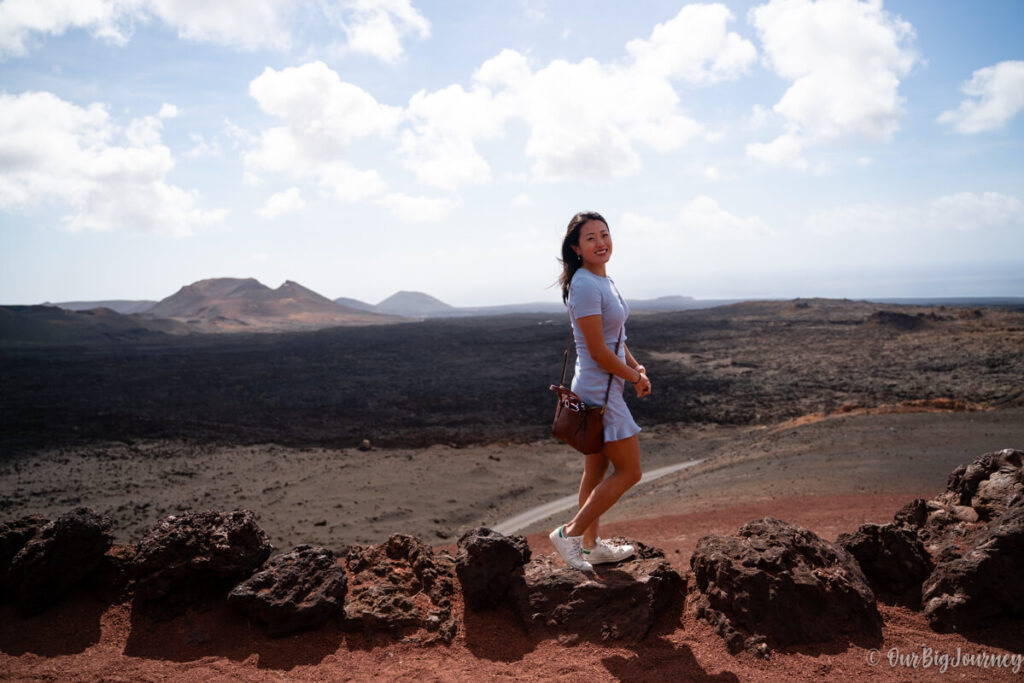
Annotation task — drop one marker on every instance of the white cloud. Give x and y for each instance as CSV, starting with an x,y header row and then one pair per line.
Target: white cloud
x,y
248,24
583,118
845,59
22,20
694,46
785,150
439,147
418,209
111,177
280,203
322,115
168,111
998,93
376,27
963,211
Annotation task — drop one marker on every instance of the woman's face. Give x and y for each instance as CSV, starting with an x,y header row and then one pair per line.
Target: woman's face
x,y
595,245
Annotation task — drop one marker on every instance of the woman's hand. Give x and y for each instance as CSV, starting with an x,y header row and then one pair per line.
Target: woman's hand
x,y
642,385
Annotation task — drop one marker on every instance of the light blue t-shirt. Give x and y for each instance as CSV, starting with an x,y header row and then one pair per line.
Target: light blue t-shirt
x,y
591,294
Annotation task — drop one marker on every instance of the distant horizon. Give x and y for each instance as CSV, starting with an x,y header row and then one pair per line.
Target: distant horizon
x,y
1019,294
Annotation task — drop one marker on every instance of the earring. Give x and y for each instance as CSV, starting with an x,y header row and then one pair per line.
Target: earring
x,y
579,257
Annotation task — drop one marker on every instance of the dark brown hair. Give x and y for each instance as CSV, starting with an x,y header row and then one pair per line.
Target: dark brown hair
x,y
570,261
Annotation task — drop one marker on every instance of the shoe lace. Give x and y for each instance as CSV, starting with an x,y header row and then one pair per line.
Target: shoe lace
x,y
576,551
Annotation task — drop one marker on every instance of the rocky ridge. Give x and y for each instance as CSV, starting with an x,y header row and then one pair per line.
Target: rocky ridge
x,y
771,585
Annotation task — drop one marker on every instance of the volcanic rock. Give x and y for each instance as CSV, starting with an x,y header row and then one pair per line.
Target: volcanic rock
x,y
58,557
189,558
893,560
984,583
111,581
299,590
617,603
399,586
975,494
991,484
484,564
778,584
13,537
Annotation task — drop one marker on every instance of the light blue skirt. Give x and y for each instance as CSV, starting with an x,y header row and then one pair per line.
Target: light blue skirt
x,y
618,421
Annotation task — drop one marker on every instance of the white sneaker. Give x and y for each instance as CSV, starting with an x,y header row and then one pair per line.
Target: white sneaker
x,y
604,552
571,549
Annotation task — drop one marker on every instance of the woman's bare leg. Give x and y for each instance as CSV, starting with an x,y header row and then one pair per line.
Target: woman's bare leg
x,y
594,468
624,455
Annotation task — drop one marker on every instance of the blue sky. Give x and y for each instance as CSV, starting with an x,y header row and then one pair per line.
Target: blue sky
x,y
746,149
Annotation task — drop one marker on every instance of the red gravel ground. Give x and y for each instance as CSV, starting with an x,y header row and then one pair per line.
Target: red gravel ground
x,y
83,641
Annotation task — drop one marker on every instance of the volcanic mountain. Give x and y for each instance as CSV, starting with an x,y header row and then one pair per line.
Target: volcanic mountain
x,y
247,305
414,304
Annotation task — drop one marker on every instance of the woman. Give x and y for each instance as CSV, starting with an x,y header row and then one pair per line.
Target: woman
x,y
598,315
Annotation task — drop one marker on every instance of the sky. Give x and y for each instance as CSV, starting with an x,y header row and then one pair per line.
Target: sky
x,y
780,148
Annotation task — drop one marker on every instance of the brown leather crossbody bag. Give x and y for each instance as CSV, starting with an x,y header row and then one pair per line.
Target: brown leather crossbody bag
x,y
577,424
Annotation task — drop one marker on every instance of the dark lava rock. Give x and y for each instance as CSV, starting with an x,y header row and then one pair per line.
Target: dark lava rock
x,y
896,320
892,558
399,586
111,581
913,515
13,537
484,564
190,558
641,551
950,524
299,590
984,583
61,555
616,603
991,484
778,584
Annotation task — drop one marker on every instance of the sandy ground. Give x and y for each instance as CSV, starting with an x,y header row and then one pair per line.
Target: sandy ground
x,y
829,475
338,497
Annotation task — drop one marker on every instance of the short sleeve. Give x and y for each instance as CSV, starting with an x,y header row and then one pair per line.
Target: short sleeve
x,y
584,297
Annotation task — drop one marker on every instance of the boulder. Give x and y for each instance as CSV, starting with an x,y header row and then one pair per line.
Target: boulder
x,y
299,590
13,537
61,555
893,560
913,515
111,582
614,603
977,493
984,583
397,587
484,564
777,584
991,484
191,558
